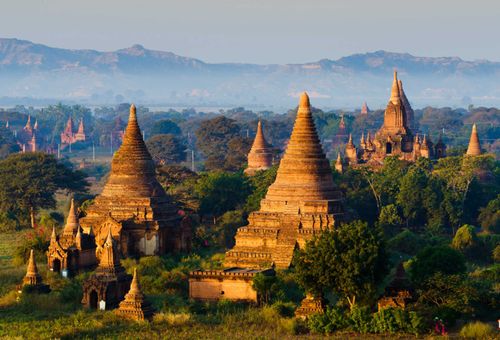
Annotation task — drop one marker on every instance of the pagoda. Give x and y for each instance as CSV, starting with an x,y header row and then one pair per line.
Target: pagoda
x,y
395,136
474,148
364,109
70,137
133,204
134,306
301,203
33,280
107,287
260,156
73,250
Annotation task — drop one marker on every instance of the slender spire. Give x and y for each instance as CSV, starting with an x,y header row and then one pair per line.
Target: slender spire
x,y
362,140
395,96
416,140
32,276
349,142
7,125
134,306
80,127
474,148
28,123
72,224
339,159
135,287
424,143
36,124
53,237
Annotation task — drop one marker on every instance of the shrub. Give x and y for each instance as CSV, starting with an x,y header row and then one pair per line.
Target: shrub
x,y
496,254
406,242
436,259
332,320
395,320
8,221
477,330
173,319
360,319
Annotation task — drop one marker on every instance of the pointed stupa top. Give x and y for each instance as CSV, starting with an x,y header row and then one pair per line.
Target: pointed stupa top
x,y
134,306
304,173
474,148
32,276
7,124
350,144
28,123
425,145
260,156
109,257
362,140
259,141
36,125
72,225
339,159
395,94
132,168
416,140
81,129
53,237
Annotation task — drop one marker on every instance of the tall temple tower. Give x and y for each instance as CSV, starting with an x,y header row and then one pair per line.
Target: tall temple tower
x,y
260,156
410,114
302,202
474,148
133,205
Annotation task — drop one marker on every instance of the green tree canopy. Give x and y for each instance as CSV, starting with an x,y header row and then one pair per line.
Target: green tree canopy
x,y
350,261
436,259
165,126
166,149
29,181
489,216
219,192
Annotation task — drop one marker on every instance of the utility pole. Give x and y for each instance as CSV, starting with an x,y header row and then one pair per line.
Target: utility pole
x,y
192,160
58,151
93,152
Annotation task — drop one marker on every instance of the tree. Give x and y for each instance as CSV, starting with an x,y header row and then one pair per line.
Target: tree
x,y
237,151
263,285
164,127
7,143
465,239
219,192
260,182
29,181
213,137
436,259
489,216
350,260
166,149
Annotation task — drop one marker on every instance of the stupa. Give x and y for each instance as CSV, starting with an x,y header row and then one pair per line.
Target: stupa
x,y
260,156
133,204
134,306
302,202
33,280
73,250
107,287
474,148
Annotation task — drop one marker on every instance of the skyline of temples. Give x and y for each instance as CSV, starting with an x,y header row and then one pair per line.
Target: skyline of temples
x,y
302,202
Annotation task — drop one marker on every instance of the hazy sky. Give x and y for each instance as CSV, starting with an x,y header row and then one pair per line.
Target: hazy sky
x,y
261,31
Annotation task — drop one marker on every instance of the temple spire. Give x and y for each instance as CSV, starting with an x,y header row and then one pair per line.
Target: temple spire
x,y
36,124
134,306
349,142
304,172
474,148
72,223
32,277
395,94
260,156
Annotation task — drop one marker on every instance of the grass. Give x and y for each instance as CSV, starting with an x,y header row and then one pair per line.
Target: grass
x,y
478,330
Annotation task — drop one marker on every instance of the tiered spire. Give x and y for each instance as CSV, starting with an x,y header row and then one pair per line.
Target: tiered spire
x,y
110,260
80,127
408,109
72,224
304,172
474,148
134,306
28,123
32,277
350,144
338,164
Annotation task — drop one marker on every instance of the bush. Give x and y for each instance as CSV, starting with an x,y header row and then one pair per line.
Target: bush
x,y
394,320
285,309
496,254
436,259
8,222
477,330
360,319
332,320
406,242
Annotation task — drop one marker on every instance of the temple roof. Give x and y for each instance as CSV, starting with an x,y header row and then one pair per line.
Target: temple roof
x,y
395,93
474,148
304,172
132,169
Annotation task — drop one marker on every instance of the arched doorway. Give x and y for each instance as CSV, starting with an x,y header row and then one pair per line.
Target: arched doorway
x,y
93,299
388,148
56,266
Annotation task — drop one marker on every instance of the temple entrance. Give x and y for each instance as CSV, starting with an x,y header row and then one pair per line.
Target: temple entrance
x,y
388,148
56,265
93,300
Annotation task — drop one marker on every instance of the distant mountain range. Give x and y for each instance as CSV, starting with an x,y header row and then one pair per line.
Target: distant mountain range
x,y
30,71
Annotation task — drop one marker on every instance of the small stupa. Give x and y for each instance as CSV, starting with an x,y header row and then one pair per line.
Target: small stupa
x,y
260,156
107,287
33,279
302,202
134,306
339,165
474,148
